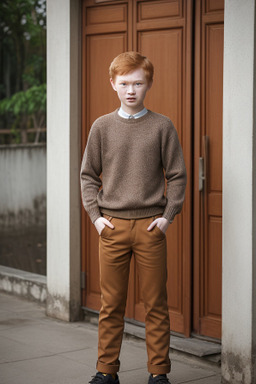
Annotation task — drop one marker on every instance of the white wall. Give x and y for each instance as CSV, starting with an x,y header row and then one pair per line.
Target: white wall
x,y
63,158
239,164
23,185
23,207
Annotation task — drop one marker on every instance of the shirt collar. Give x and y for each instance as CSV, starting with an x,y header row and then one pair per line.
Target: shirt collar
x,y
125,115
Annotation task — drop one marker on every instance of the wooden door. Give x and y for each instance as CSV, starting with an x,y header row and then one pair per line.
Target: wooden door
x,y
208,156
162,31
105,35
177,35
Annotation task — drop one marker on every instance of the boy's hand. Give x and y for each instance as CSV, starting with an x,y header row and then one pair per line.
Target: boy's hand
x,y
100,224
161,223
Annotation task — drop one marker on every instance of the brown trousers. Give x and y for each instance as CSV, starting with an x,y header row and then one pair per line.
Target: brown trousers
x,y
116,247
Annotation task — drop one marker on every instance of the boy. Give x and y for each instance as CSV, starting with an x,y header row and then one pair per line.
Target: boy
x,y
132,147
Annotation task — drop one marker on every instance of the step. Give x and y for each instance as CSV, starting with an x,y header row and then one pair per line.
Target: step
x,y
30,286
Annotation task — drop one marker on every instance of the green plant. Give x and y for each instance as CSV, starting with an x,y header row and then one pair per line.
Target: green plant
x,y
26,106
22,67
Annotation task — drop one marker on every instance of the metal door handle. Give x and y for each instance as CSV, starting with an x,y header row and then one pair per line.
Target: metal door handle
x,y
203,165
201,174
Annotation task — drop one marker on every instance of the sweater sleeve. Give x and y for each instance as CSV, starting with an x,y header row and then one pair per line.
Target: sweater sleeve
x,y
175,173
91,169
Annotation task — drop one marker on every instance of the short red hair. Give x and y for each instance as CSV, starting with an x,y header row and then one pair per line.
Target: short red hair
x,y
129,61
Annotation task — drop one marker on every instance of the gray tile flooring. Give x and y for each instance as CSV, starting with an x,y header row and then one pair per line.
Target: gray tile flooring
x,y
35,349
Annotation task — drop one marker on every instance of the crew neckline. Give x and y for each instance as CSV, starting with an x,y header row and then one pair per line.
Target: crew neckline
x,y
138,115
132,121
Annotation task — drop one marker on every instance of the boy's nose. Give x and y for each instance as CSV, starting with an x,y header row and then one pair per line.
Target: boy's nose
x,y
131,90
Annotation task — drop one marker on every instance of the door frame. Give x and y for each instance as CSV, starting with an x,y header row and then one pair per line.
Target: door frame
x,y
187,149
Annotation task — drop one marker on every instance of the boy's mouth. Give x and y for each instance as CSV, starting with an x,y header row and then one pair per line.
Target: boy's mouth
x,y
130,98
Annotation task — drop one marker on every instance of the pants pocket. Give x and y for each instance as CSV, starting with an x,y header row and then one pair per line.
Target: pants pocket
x,y
109,218
159,232
156,229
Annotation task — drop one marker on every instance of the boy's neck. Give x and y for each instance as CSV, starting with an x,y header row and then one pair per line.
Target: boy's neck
x,y
126,115
132,111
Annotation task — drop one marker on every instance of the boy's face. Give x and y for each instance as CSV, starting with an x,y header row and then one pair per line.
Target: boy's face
x,y
131,89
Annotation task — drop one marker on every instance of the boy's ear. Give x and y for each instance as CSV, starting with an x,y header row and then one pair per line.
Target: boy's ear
x,y
113,84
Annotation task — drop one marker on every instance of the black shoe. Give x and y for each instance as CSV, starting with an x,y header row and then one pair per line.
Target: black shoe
x,y
99,378
159,379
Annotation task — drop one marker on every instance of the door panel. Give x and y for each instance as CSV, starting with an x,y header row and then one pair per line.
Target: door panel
x,y
151,10
100,51
105,36
208,145
166,49
166,92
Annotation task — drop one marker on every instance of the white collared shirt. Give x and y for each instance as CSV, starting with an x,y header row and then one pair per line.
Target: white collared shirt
x,y
125,115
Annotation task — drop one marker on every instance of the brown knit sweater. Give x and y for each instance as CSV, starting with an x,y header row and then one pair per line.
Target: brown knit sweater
x,y
134,157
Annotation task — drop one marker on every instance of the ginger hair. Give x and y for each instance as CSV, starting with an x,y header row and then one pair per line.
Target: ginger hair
x,y
129,61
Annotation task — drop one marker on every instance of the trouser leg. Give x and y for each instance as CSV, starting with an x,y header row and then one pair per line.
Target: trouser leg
x,y
150,255
115,255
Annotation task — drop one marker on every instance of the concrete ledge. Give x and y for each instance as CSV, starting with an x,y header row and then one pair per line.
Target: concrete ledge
x,y
200,349
24,284
191,346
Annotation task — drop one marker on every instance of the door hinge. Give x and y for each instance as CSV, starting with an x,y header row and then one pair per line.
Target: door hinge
x,y
83,280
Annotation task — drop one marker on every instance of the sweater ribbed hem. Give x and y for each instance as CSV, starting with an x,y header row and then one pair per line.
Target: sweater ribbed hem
x,y
133,214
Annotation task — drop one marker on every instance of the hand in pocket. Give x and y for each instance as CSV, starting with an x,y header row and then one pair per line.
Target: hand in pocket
x,y
100,224
161,223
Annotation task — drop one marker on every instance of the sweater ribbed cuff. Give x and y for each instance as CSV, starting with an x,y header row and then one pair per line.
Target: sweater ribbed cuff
x,y
170,214
94,214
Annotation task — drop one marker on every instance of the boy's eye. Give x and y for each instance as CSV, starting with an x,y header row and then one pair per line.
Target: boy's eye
x,y
138,84
123,84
